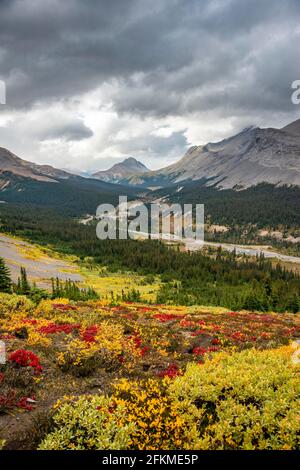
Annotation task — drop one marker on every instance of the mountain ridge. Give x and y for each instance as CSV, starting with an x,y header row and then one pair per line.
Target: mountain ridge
x,y
24,182
16,165
253,156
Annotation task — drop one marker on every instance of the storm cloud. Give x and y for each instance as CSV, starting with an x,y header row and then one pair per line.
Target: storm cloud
x,y
118,73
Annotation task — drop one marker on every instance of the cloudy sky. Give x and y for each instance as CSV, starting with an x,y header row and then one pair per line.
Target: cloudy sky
x,y
91,82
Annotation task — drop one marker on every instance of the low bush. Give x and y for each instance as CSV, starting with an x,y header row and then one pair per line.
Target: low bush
x,y
88,423
12,302
18,379
159,423
247,400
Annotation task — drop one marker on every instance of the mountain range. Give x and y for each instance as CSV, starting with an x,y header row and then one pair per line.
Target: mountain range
x,y
23,182
251,157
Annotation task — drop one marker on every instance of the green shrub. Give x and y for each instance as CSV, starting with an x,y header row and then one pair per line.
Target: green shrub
x,y
14,302
248,400
88,423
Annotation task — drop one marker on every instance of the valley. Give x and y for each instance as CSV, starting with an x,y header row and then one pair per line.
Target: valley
x,y
105,334
253,213
250,250
43,264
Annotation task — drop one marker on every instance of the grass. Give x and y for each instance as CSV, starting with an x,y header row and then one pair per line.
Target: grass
x,y
105,282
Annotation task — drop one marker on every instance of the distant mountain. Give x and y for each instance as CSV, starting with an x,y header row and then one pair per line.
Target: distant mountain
x,y
251,157
130,167
23,182
13,164
77,172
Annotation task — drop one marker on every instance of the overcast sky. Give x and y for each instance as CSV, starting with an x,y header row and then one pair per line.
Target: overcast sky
x,y
92,82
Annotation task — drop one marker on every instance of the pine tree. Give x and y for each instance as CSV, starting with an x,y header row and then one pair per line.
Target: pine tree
x,y
5,280
24,284
293,304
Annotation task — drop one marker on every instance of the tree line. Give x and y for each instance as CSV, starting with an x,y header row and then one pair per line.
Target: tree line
x,y
211,278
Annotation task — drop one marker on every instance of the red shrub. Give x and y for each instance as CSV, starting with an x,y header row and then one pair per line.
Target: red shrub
x,y
24,358
88,335
23,403
165,317
172,371
29,321
53,328
199,351
215,341
238,336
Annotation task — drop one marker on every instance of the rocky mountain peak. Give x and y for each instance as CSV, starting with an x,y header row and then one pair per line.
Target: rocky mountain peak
x,y
127,168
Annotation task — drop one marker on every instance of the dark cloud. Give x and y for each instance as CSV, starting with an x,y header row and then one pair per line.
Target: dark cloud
x,y
53,50
232,59
74,130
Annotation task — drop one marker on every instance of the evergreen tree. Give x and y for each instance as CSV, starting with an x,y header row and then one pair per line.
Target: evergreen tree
x,y
293,304
5,280
71,291
24,284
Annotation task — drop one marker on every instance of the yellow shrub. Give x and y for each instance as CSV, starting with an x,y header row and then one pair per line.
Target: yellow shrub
x,y
248,400
18,322
79,357
45,307
11,303
159,423
110,337
37,339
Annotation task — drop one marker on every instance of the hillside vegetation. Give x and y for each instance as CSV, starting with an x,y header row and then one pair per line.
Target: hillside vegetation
x,y
211,278
97,375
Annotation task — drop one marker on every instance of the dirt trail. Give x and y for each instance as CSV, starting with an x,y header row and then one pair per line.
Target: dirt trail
x,y
40,267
